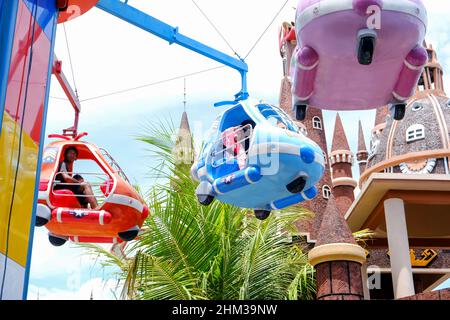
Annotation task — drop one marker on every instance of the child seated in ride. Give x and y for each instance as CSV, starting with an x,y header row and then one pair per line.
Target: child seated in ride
x,y
233,139
75,183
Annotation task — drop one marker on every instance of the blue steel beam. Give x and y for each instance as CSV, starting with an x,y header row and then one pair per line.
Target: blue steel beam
x,y
169,33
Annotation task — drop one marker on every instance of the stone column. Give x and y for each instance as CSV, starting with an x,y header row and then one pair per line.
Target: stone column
x,y
397,233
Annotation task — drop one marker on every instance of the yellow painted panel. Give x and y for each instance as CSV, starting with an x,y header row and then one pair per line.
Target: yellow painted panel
x,y
22,208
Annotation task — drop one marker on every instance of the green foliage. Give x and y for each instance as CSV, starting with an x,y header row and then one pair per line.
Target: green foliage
x,y
189,251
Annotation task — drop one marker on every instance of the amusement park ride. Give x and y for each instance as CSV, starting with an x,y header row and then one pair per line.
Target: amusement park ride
x,y
228,165
253,148
346,51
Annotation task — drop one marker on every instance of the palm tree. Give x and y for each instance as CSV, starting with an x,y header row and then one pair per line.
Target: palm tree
x,y
189,251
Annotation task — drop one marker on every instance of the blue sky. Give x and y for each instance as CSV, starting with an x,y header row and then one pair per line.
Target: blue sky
x,y
109,55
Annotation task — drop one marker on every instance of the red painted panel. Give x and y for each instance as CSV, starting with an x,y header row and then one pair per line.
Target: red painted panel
x,y
37,81
75,9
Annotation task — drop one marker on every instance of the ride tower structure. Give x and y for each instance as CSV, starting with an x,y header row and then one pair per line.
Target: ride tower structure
x,y
27,62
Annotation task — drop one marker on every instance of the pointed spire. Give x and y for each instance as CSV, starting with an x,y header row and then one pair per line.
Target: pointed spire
x,y
184,124
340,141
361,140
184,148
334,228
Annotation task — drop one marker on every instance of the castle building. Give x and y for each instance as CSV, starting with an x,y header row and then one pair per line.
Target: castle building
x,y
314,127
405,191
404,194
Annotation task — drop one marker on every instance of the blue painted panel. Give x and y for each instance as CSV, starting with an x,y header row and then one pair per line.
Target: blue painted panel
x,y
46,16
8,14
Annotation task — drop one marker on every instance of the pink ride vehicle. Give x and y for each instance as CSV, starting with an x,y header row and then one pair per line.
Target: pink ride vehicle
x,y
357,54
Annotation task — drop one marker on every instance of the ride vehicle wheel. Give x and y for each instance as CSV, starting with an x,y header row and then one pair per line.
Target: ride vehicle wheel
x,y
128,235
43,215
297,185
56,241
40,222
205,200
399,111
300,112
262,214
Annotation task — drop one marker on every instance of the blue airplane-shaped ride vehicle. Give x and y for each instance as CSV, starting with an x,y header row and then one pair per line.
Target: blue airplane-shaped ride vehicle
x,y
256,157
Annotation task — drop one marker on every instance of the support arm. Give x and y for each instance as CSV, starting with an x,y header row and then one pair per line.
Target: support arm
x,y
164,31
71,95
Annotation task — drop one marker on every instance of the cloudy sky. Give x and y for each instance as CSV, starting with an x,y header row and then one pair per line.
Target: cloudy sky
x,y
109,55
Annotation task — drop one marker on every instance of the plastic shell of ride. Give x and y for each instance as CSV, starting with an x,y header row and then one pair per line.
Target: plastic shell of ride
x,y
357,54
281,166
120,214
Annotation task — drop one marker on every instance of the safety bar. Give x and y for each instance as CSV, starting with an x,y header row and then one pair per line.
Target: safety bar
x,y
223,153
114,164
95,185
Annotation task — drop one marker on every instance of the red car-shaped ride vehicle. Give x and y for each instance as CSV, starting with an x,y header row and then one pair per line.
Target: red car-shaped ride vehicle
x,y
119,214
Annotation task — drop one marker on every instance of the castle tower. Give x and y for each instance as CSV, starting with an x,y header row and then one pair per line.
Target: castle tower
x,y
341,160
432,79
337,258
184,146
184,150
362,154
313,127
404,187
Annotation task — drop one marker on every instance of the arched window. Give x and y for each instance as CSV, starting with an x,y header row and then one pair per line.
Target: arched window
x,y
326,192
317,123
415,132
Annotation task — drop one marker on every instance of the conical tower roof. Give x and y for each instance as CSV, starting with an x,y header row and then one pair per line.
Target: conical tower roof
x,y
334,228
184,148
340,141
184,124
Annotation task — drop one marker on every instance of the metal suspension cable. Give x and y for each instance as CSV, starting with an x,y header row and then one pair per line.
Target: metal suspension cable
x,y
149,84
59,98
70,60
265,30
215,28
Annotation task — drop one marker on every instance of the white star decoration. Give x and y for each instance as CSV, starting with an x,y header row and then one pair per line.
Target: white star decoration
x,y
79,214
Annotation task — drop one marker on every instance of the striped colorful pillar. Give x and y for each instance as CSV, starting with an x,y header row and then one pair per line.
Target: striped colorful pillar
x,y
26,53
